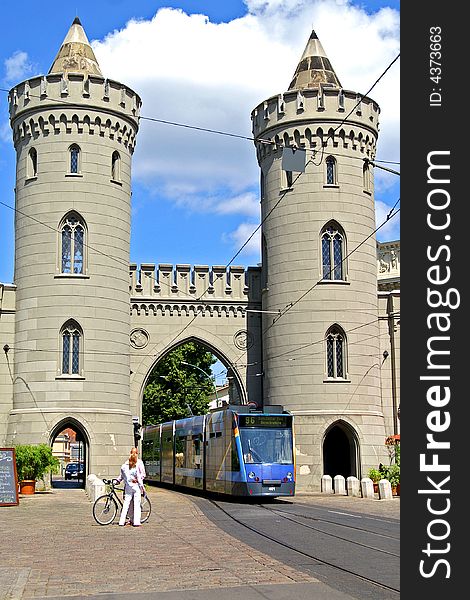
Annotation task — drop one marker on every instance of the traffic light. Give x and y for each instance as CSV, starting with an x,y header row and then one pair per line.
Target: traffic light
x,y
137,435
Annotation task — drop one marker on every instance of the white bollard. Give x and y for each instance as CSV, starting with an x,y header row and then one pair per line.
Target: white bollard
x,y
367,487
353,486
326,484
385,490
94,487
340,485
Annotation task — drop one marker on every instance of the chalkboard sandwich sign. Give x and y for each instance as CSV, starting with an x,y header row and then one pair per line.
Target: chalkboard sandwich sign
x,y
8,477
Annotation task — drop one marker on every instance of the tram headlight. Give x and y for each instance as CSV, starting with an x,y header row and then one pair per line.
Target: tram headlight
x,y
251,474
289,476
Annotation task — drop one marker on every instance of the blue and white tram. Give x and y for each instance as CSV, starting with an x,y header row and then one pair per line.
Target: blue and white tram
x,y
231,451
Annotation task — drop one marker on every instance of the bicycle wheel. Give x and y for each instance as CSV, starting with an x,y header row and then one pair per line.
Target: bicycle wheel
x,y
146,508
105,510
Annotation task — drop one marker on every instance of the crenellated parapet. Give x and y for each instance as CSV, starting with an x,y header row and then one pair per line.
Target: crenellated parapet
x,y
309,119
193,285
74,103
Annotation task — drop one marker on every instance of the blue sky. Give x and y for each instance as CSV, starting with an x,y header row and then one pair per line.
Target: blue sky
x,y
206,64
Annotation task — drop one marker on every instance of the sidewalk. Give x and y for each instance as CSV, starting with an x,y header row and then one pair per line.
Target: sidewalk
x,y
52,548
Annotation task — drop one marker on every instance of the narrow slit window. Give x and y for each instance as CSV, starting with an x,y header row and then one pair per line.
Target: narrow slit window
x,y
330,171
116,167
32,169
74,159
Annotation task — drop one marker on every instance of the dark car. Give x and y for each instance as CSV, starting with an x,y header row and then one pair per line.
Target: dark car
x,y
74,471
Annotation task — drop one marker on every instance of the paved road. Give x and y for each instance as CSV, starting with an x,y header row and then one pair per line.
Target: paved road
x,y
351,551
52,548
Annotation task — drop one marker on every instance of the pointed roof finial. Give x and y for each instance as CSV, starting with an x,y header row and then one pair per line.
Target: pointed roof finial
x,y
76,55
314,69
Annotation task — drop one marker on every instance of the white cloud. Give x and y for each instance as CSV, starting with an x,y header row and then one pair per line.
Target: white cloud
x,y
192,71
391,230
242,237
17,67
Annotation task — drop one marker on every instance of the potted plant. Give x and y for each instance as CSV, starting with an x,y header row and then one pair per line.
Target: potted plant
x,y
392,473
32,463
376,476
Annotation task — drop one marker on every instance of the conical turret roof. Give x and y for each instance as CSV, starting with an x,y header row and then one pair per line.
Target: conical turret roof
x,y
314,69
76,55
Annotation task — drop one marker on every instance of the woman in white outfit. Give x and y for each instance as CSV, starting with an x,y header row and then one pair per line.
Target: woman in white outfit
x,y
141,470
132,490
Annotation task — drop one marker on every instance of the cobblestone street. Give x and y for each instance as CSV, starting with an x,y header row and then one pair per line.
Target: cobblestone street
x,y
53,547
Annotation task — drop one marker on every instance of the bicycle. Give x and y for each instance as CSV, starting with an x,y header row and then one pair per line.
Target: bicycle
x,y
105,507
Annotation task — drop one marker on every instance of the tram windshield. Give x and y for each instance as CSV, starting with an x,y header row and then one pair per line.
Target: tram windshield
x,y
266,445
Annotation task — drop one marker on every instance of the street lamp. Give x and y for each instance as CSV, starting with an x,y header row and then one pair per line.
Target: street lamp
x,y
206,374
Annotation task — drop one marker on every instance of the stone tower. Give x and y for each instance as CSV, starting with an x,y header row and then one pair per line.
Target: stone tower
x,y
74,133
321,351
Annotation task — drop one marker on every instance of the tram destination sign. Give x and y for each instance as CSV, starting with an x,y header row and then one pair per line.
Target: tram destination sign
x,y
8,477
265,420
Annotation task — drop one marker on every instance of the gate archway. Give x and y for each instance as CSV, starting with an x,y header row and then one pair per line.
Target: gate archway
x,y
70,444
340,451
231,391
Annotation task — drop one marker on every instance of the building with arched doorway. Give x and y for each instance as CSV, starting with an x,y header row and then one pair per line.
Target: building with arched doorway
x,y
82,329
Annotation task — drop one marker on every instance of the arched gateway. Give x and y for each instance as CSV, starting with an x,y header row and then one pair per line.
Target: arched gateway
x,y
217,307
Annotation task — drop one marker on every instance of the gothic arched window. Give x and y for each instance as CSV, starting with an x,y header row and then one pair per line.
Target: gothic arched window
x,y
32,167
74,156
116,166
71,337
72,245
333,253
335,341
331,175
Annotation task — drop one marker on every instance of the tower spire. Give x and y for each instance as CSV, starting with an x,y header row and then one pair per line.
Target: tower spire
x,y
76,55
314,68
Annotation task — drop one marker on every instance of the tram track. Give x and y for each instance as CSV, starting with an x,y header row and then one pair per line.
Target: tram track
x,y
310,556
288,516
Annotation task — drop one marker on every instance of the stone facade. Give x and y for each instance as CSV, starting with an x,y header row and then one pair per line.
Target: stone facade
x,y
324,344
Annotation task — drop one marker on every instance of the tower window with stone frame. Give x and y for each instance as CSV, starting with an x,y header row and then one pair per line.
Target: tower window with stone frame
x,y
71,349
72,245
74,160
335,350
287,180
367,177
32,165
331,171
116,167
333,253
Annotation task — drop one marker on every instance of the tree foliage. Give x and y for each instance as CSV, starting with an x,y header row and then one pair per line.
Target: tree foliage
x,y
173,387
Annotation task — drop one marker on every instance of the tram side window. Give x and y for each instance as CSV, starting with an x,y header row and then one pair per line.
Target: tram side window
x,y
147,450
180,447
196,459
188,451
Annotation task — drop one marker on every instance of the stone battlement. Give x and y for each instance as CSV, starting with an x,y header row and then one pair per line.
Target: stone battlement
x,y
291,119
186,282
68,93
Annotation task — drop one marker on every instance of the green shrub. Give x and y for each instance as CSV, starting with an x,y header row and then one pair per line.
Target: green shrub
x,y
375,475
33,462
392,473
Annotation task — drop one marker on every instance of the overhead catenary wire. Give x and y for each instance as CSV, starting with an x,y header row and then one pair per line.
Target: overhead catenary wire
x,y
260,140
289,306
203,129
